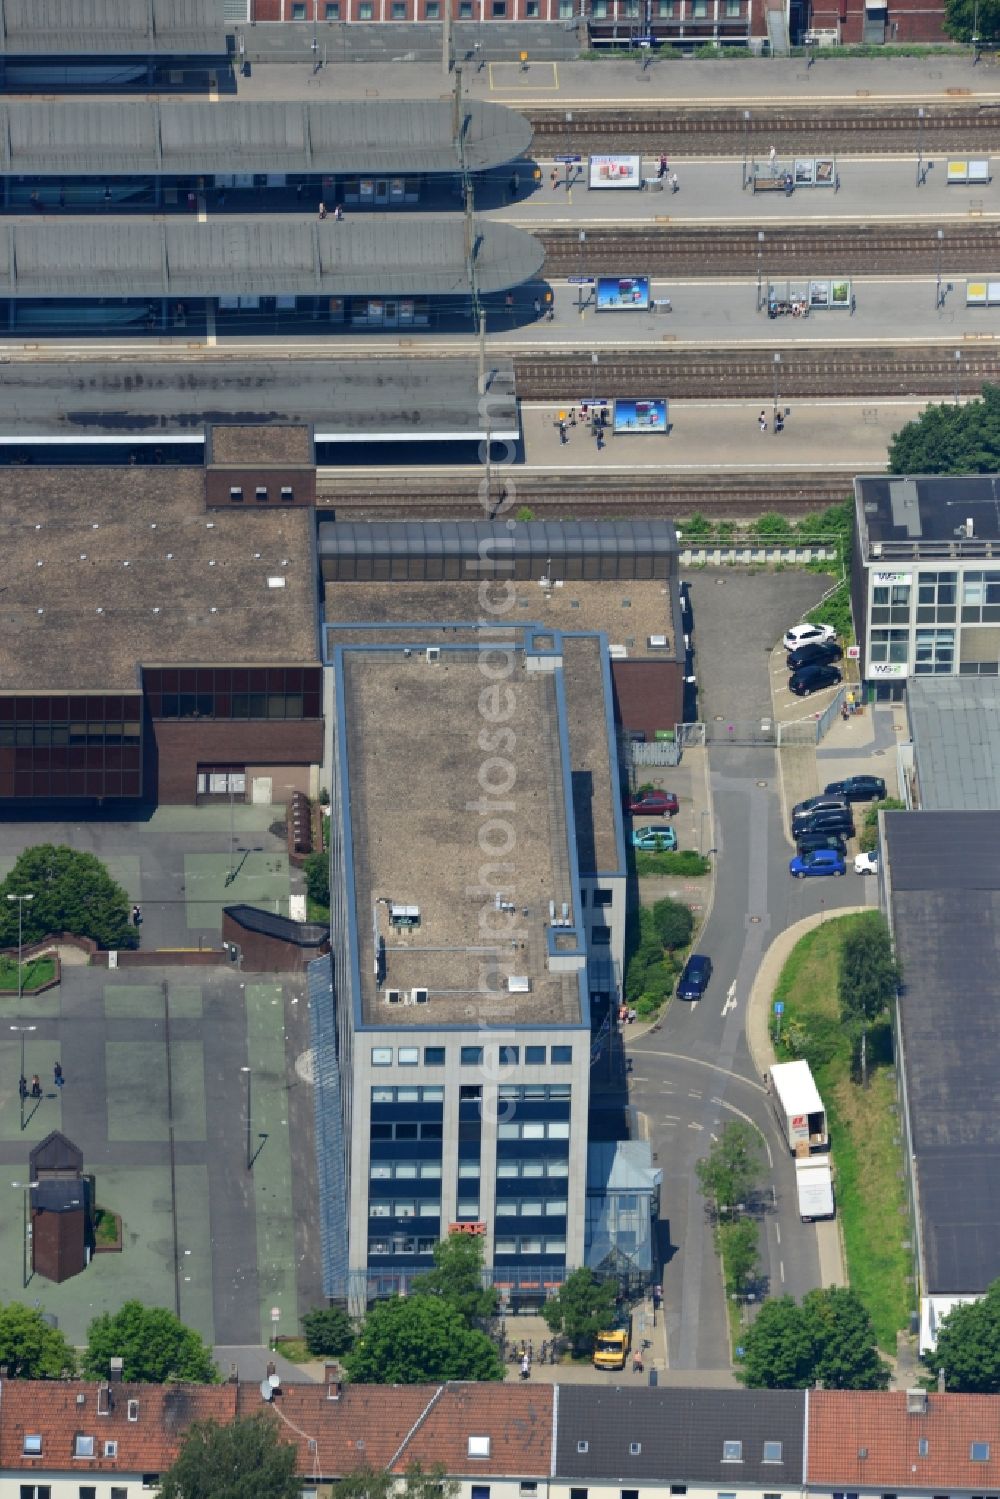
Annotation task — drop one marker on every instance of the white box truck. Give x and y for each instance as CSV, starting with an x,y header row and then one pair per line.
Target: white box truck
x,y
798,1106
814,1188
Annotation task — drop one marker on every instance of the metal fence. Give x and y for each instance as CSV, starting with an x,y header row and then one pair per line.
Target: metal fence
x,y
659,752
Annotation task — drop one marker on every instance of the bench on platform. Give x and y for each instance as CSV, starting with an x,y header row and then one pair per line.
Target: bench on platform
x,y
768,185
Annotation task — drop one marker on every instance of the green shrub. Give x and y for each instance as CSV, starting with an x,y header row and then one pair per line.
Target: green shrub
x,y
316,869
674,923
683,862
329,1332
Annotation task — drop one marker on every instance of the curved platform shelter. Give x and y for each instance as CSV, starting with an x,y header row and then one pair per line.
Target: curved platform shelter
x,y
111,275
190,140
114,45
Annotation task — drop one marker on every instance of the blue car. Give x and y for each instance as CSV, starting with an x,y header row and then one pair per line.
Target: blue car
x,y
654,839
818,861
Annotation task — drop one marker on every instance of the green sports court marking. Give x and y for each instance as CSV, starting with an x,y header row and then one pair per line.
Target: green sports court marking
x,y
272,1174
136,1073
145,1002
261,880
215,819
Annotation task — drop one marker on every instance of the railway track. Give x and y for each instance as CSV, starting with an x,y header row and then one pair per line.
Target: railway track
x,y
736,497
723,130
787,250
687,374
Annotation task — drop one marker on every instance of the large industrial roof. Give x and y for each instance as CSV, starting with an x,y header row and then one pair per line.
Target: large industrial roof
x,y
373,256
115,138
99,27
944,879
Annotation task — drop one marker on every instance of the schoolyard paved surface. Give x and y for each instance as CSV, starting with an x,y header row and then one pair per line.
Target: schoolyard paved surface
x,y
156,1099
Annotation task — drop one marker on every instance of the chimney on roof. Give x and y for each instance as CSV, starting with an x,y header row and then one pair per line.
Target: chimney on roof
x,y
234,1373
271,1368
115,1368
916,1402
331,1376
940,1382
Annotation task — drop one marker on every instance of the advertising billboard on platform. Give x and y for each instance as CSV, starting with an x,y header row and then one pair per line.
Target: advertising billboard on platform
x,y
616,171
640,416
618,293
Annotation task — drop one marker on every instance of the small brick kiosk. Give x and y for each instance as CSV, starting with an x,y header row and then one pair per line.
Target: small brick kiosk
x,y
62,1209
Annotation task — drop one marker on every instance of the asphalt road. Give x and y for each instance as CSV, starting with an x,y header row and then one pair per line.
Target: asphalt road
x,y
692,1074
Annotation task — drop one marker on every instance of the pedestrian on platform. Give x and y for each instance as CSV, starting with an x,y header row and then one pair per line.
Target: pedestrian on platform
x,y
57,1075
637,1361
762,421
525,1367
322,210
675,186
338,213
36,1086
662,169
563,434
22,1082
772,157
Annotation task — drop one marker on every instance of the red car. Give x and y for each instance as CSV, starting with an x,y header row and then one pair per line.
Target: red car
x,y
653,803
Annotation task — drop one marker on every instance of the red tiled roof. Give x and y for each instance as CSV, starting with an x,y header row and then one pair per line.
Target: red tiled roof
x,y
58,1411
843,1423
516,1418
364,1427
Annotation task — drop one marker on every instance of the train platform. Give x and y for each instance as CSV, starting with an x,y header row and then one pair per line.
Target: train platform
x,y
712,193
629,83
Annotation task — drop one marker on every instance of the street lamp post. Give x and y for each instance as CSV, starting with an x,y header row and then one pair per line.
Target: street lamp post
x,y
579,290
760,268
22,1081
29,895
777,369
248,1075
746,146
958,376
938,298
26,1188
920,146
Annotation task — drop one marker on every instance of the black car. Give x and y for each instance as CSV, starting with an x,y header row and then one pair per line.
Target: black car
x,y
808,843
694,980
858,789
812,678
829,821
817,653
828,801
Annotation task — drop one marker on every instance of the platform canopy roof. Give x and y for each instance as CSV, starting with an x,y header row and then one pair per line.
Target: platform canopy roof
x,y
100,27
110,138
377,255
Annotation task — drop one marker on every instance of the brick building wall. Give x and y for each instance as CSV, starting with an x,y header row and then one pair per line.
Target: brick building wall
x,y
649,695
182,745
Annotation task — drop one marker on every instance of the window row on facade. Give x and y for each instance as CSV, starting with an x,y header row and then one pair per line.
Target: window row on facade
x,y
473,1056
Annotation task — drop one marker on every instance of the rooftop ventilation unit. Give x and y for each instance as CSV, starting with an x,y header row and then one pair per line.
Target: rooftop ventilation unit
x,y
519,983
404,916
275,582
394,996
418,996
433,653
657,642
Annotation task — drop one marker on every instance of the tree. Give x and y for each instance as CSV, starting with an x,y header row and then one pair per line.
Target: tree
x,y
457,1278
730,1171
739,1254
155,1345
965,18
582,1307
868,837
30,1348
417,1340
868,979
777,1349
951,439
673,922
316,869
72,891
828,1338
375,1483
329,1331
968,1346
248,1458
843,1339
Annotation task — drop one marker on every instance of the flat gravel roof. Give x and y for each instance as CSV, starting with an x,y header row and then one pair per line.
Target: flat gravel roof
x,y
111,138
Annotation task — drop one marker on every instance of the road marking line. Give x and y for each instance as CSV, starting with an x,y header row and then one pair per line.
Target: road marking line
x,y
730,1003
781,1267
777,1232
699,1127
676,1056
694,1093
